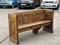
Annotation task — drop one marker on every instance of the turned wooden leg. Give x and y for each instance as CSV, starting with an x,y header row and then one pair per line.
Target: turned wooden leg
x,y
35,31
48,28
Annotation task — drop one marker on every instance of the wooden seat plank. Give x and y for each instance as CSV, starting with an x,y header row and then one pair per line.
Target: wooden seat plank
x,y
33,24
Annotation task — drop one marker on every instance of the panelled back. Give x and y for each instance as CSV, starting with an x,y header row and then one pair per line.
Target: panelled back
x,y
38,15
30,16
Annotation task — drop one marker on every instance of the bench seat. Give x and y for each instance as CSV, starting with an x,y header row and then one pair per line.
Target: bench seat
x,y
34,24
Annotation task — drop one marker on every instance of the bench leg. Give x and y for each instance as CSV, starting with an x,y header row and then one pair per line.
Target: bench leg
x,y
48,28
13,31
35,31
14,38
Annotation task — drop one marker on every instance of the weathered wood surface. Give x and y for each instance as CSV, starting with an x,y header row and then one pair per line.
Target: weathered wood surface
x,y
49,15
34,19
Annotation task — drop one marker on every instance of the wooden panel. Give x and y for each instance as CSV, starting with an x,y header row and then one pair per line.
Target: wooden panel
x,y
33,24
20,19
38,16
48,14
27,18
13,27
33,27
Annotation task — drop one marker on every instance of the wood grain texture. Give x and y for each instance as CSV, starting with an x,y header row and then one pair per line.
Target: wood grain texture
x,y
24,21
49,15
13,30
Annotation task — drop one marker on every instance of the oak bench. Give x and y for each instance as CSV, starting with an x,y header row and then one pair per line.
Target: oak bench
x,y
26,20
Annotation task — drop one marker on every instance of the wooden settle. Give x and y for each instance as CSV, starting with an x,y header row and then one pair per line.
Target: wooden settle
x,y
34,19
